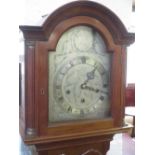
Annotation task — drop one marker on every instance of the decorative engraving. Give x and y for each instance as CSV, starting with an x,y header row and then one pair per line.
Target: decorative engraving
x,y
92,150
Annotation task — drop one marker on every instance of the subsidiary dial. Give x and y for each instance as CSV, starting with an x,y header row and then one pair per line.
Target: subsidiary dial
x,y
82,38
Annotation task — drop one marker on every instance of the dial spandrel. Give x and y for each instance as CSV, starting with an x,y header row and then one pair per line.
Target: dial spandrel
x,y
79,73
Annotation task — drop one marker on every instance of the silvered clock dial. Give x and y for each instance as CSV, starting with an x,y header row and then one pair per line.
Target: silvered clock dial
x,y
79,76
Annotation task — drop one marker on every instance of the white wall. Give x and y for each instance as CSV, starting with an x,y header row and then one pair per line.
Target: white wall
x,y
34,9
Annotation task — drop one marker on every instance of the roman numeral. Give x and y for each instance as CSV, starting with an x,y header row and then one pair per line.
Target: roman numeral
x,y
83,59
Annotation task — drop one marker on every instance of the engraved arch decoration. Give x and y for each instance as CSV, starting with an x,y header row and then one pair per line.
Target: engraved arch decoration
x,y
80,20
89,9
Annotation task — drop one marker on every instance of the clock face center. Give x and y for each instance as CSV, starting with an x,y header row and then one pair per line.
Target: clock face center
x,y
78,89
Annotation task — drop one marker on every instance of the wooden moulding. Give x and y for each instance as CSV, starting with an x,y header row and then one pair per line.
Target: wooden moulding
x,y
80,8
48,139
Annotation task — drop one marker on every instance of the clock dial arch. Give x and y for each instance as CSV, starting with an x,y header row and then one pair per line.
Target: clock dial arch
x,y
81,78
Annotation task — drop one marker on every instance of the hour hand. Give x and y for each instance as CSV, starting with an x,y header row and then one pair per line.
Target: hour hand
x,y
91,75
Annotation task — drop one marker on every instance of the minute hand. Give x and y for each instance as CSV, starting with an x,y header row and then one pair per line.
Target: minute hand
x,y
90,76
84,86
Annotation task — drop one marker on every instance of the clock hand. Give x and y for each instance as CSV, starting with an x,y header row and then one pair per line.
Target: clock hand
x,y
84,86
101,91
91,75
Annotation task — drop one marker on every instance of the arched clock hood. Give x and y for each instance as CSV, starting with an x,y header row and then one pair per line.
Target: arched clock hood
x,y
80,8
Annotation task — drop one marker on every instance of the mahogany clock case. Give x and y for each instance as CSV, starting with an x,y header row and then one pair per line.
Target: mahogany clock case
x,y
39,42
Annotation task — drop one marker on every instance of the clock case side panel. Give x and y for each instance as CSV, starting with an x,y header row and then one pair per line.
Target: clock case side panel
x,y
118,79
28,108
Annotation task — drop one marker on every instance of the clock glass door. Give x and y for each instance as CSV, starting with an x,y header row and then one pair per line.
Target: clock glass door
x,y
79,77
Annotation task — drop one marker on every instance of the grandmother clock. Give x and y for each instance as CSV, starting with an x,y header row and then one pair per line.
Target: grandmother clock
x,y
73,80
